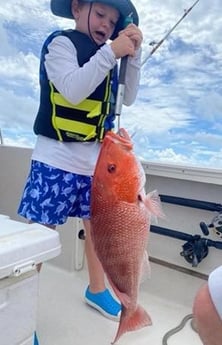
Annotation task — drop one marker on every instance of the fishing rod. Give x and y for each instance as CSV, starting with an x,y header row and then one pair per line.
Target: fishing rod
x,y
122,77
158,44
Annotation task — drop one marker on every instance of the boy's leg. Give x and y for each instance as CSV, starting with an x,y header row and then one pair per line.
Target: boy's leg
x,y
96,294
95,270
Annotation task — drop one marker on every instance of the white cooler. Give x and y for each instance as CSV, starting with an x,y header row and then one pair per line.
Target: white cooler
x,y
22,247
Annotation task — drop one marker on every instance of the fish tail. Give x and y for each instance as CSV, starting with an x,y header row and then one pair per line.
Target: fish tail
x,y
138,319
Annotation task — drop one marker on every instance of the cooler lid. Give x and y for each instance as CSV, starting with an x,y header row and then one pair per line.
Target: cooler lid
x,y
24,244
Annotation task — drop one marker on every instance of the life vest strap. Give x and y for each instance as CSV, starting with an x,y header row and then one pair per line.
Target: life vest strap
x,y
93,107
84,129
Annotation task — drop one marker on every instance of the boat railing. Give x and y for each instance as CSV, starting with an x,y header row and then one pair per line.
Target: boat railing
x,y
196,247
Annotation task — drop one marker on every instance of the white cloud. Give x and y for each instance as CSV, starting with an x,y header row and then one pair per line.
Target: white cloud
x,y
17,111
8,49
20,67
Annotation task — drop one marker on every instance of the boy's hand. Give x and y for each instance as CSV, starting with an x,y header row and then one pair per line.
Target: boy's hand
x,y
134,33
122,46
128,41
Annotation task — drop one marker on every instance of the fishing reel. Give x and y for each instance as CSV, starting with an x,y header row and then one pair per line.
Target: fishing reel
x,y
195,250
215,226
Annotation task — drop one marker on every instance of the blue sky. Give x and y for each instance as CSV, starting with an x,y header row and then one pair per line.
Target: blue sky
x,y
176,118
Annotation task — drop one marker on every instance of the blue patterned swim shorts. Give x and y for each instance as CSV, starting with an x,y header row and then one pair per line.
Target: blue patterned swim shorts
x,y
52,195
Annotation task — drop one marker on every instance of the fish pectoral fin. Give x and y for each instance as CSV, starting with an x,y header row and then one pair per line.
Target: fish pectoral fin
x,y
153,204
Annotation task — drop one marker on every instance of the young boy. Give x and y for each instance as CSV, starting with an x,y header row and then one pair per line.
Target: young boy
x,y
207,309
78,81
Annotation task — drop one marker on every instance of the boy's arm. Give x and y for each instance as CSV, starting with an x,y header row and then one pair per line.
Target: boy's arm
x,y
76,83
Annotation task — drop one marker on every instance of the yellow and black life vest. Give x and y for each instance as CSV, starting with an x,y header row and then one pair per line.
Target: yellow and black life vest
x,y
59,119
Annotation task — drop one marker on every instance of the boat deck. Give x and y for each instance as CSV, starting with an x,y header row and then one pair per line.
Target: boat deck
x,y
64,318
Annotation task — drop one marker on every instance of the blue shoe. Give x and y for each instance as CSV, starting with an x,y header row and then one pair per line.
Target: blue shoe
x,y
104,303
35,339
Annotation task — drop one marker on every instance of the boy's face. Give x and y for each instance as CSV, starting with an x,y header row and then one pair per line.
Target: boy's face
x,y
101,21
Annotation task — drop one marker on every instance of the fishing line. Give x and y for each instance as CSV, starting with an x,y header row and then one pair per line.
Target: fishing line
x,y
158,44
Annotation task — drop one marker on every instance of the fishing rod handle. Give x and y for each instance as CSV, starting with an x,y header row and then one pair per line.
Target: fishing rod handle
x,y
122,71
123,63
122,77
121,86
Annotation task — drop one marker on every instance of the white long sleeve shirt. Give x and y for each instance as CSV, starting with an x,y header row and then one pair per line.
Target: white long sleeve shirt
x,y
76,83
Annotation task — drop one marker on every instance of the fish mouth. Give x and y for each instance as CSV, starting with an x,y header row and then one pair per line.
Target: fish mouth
x,y
122,138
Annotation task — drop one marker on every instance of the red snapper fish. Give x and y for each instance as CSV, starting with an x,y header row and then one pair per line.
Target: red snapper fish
x,y
120,223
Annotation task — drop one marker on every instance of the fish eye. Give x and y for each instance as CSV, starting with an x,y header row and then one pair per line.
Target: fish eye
x,y
111,168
